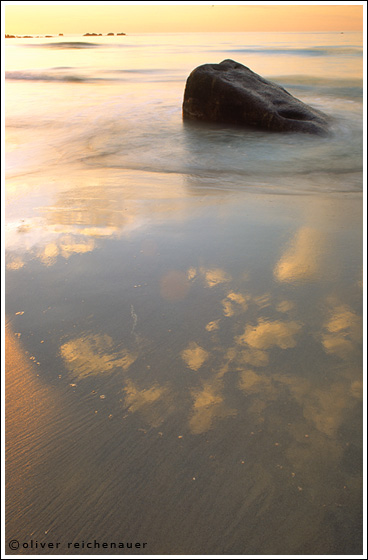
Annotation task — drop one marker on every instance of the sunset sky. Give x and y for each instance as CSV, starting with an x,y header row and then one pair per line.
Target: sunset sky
x,y
140,17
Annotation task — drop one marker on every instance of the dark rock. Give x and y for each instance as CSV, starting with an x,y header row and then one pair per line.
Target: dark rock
x,y
61,34
90,35
9,36
231,93
121,34
110,34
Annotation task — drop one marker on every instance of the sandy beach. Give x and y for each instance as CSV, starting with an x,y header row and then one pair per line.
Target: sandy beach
x,y
183,305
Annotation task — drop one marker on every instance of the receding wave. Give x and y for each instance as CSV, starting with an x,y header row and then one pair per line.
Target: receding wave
x,y
304,79
71,45
348,88
316,51
55,76
48,77
139,71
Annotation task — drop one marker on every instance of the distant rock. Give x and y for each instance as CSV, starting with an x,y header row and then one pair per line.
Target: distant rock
x,y
121,34
9,36
90,35
108,34
231,93
48,36
61,34
27,37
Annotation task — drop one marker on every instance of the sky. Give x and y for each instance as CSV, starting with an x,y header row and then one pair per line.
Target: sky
x,y
140,17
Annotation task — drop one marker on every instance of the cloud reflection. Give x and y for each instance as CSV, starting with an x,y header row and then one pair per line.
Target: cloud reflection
x,y
270,333
66,246
343,332
14,263
208,405
94,355
234,302
302,260
194,356
215,276
154,402
242,362
253,357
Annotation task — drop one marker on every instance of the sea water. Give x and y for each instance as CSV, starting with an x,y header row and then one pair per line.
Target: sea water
x,y
183,301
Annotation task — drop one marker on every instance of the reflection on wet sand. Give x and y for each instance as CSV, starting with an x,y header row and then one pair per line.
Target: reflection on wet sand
x,y
301,261
246,364
253,357
215,276
154,403
67,246
194,356
233,302
213,325
208,405
342,332
285,306
14,263
251,382
270,333
225,358
326,406
94,355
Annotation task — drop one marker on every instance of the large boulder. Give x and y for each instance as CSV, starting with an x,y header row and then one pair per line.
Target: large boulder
x,y
231,93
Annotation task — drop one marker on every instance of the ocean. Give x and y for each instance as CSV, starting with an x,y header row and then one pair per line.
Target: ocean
x,y
183,302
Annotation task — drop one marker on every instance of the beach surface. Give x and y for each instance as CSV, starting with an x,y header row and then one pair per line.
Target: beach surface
x,y
183,303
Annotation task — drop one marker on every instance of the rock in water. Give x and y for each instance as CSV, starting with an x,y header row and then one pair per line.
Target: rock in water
x,y
231,93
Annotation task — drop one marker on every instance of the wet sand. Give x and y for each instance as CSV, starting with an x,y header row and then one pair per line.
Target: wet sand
x,y
191,379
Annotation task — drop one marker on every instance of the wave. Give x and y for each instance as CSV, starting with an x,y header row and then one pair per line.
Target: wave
x,y
305,79
331,87
70,45
52,75
45,77
315,51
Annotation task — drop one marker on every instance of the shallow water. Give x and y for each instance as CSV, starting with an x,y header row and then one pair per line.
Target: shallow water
x,y
184,303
